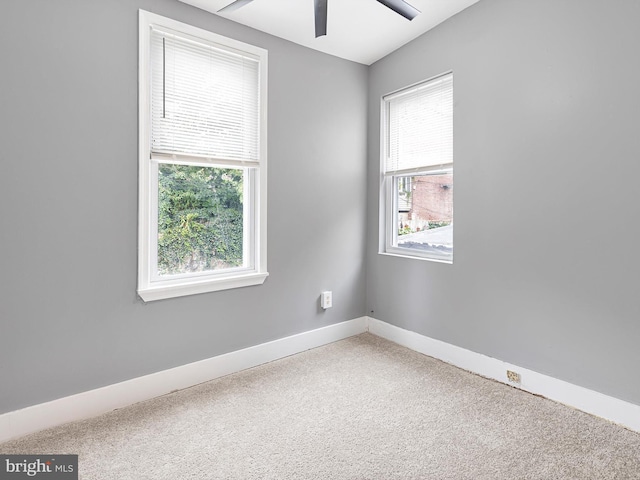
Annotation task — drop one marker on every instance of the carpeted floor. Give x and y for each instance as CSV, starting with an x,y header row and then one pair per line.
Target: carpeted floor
x,y
361,408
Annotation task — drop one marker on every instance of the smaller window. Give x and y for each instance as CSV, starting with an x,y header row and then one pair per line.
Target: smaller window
x,y
417,171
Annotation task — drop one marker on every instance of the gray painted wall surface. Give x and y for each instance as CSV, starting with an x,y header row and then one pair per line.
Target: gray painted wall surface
x,y
70,319
547,152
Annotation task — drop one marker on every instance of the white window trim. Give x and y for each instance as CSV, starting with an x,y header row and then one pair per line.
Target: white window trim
x,y
387,198
148,288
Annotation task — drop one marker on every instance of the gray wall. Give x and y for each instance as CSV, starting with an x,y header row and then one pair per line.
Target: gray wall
x,y
547,152
70,320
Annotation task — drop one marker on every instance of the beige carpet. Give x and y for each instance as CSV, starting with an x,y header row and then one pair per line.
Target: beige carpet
x,y
361,408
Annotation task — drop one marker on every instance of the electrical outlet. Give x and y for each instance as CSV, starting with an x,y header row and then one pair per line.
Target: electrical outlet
x,y
513,377
326,300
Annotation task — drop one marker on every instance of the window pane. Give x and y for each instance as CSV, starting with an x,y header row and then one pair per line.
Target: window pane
x,y
200,218
425,213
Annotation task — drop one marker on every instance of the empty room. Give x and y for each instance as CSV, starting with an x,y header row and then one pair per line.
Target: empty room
x,y
321,303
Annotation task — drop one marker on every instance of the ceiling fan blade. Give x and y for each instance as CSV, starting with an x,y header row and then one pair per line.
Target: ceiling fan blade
x,y
401,7
321,17
234,5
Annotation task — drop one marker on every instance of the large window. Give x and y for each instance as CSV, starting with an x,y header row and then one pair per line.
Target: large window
x,y
202,170
417,171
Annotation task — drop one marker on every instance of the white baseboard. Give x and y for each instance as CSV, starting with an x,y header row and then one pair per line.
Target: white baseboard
x,y
618,411
101,400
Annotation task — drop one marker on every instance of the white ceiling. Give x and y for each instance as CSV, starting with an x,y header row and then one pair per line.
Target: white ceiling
x,y
359,30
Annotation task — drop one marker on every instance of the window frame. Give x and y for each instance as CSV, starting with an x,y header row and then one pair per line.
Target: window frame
x,y
388,201
150,286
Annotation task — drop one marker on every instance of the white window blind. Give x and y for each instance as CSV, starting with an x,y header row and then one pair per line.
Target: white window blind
x,y
204,99
419,123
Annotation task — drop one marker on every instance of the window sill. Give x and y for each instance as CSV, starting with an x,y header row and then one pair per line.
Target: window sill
x,y
160,292
401,253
